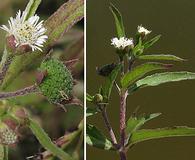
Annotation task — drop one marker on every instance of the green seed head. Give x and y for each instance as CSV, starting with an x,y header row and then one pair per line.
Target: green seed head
x,y
57,85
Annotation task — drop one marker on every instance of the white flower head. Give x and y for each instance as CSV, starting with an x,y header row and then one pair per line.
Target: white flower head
x,y
143,30
26,31
121,43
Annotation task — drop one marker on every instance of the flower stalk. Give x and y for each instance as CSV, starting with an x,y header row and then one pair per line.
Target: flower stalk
x,y
108,125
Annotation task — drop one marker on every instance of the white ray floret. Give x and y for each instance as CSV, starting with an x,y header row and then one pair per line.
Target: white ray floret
x,y
141,29
26,31
121,43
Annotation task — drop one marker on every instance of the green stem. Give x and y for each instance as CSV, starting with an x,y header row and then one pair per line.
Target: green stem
x,y
4,64
1,152
6,153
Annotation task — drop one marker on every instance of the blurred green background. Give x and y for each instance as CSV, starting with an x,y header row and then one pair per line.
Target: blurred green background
x,y
175,20
52,118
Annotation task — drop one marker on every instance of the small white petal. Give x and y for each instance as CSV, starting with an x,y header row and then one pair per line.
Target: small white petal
x,y
141,29
27,31
121,43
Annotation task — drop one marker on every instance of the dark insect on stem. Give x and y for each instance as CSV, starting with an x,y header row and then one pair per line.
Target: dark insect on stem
x,y
106,69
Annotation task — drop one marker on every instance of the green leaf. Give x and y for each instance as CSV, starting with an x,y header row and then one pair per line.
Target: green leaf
x,y
138,49
150,43
91,111
130,77
32,7
160,57
107,88
160,78
118,21
57,24
134,123
89,98
96,139
46,142
2,152
148,134
63,19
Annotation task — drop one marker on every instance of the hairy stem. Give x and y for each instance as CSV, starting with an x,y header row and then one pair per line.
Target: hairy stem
x,y
123,98
122,155
109,127
4,64
21,92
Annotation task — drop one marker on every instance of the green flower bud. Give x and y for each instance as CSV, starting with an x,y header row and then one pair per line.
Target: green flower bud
x,y
98,98
57,85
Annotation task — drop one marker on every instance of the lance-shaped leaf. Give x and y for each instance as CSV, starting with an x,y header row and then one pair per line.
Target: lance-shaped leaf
x,y
149,134
89,98
130,77
160,78
118,21
32,7
46,142
107,88
138,49
150,43
96,139
135,123
63,19
59,23
160,57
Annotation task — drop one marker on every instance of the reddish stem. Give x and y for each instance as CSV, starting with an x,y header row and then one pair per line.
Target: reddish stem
x,y
5,68
108,125
21,92
123,98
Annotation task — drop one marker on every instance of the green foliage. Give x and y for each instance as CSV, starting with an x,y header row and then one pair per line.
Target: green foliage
x,y
134,123
32,7
58,83
148,134
140,71
89,98
118,21
63,19
151,42
96,139
138,49
160,78
46,142
107,87
161,57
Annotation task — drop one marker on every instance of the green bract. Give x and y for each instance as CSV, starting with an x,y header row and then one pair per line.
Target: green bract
x,y
58,83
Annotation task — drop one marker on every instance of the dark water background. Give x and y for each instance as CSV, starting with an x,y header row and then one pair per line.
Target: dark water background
x,y
175,20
